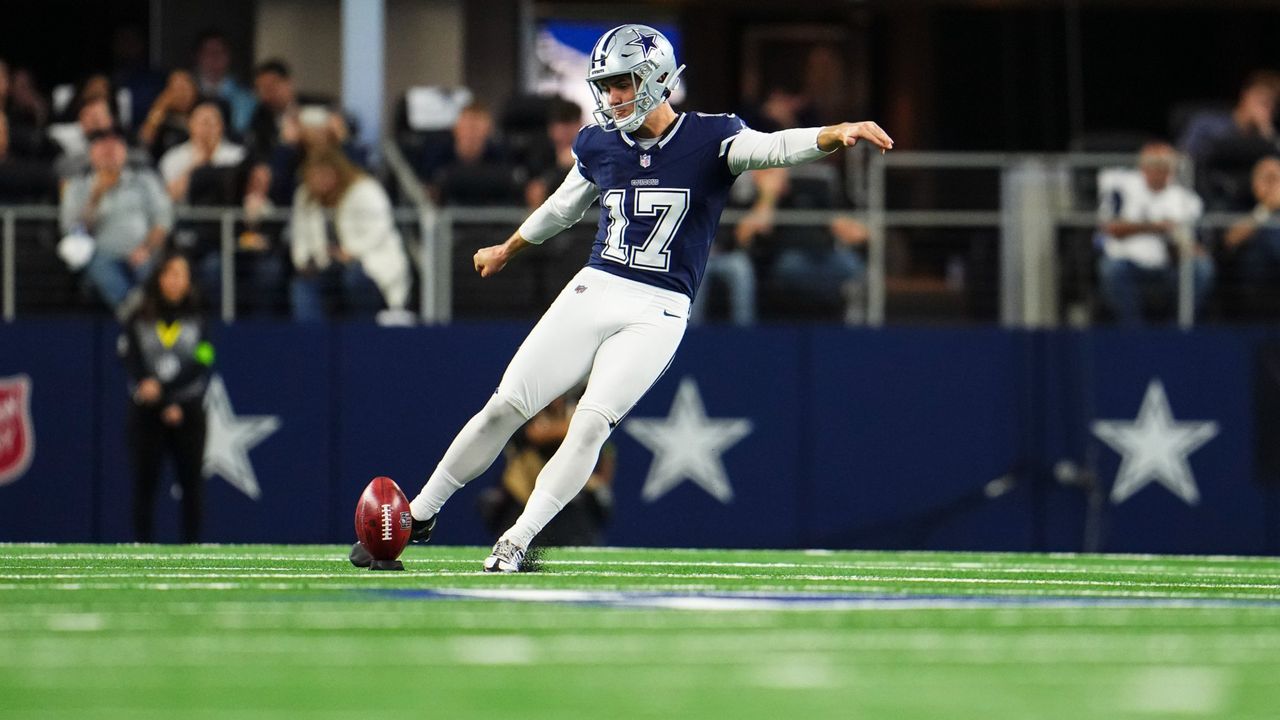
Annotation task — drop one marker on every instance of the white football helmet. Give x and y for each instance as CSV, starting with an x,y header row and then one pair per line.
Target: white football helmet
x,y
645,55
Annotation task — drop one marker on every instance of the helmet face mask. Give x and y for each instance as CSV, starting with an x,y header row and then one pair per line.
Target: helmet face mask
x,y
647,58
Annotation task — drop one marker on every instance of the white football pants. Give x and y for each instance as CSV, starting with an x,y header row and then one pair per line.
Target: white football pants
x,y
621,334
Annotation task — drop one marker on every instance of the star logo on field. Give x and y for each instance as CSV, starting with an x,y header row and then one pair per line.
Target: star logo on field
x,y
231,437
687,445
1155,447
646,43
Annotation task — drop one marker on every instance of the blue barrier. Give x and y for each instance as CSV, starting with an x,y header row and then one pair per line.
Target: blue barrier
x,y
54,499
789,436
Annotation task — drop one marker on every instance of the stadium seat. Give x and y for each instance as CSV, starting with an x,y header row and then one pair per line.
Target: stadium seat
x,y
523,127
423,113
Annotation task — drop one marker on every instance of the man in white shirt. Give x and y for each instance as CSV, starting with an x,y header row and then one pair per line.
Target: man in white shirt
x,y
1142,212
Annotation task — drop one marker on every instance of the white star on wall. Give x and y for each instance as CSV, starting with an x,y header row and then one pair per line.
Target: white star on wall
x,y
230,438
1155,447
687,445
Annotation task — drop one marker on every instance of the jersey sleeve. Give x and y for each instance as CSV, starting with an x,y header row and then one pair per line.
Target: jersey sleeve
x,y
565,207
752,150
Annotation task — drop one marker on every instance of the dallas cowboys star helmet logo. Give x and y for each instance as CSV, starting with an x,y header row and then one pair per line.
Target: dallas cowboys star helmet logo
x,y
646,43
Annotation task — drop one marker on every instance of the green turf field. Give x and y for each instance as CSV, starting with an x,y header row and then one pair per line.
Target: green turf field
x,y
295,631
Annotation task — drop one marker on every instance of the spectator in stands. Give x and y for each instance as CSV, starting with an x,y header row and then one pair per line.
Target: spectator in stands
x,y
207,147
167,355
273,88
1143,214
257,200
277,99
361,256
93,117
4,85
582,521
126,212
27,109
472,169
811,267
210,170
258,245
1225,144
132,73
21,179
6,100
730,263
94,87
1253,117
831,272
1255,240
167,121
72,138
313,129
28,117
212,73
563,123
781,108
24,123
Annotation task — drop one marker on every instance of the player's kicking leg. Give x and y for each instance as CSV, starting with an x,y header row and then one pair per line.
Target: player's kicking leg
x,y
554,357
474,449
627,364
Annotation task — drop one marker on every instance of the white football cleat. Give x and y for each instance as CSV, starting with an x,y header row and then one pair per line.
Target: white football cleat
x,y
506,557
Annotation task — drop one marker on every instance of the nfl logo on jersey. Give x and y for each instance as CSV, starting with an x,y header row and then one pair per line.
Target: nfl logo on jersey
x,y
645,160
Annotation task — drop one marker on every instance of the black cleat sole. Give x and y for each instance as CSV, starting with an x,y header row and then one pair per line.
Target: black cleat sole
x,y
422,529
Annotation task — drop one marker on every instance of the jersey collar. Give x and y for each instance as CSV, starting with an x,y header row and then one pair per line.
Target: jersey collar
x,y
667,135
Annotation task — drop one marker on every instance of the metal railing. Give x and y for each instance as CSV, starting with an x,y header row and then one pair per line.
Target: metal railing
x,y
1028,266
1029,262
226,218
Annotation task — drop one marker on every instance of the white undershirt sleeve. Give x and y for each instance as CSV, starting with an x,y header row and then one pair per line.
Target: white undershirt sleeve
x,y
754,150
565,207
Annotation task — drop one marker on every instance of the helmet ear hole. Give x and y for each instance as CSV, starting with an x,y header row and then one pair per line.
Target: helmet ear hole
x,y
662,77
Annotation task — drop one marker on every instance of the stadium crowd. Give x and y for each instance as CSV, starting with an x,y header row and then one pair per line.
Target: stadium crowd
x,y
129,145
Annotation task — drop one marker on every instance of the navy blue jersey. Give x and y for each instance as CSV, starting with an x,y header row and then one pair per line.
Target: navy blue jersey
x,y
659,208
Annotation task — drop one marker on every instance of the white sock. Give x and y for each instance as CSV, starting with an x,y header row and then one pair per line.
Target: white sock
x,y
471,453
563,477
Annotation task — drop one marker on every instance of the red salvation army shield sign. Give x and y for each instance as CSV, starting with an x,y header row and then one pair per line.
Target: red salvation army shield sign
x,y
17,436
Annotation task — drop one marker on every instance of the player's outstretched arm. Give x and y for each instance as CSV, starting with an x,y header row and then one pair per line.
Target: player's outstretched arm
x,y
834,137
490,260
751,150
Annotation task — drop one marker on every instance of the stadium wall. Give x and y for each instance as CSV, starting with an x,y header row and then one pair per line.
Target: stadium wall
x,y
925,438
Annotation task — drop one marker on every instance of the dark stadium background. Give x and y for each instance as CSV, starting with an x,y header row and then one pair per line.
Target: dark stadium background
x,y
946,74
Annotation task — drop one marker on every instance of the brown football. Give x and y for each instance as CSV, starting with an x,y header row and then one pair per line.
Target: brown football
x,y
383,520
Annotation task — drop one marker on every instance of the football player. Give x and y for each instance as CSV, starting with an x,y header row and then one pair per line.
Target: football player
x,y
661,178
